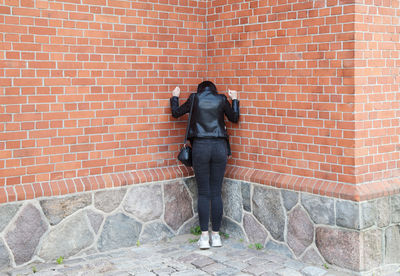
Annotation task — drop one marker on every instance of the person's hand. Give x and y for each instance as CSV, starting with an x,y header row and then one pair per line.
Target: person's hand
x,y
176,92
232,94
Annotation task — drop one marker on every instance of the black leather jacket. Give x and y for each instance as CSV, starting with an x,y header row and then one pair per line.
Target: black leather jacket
x,y
208,113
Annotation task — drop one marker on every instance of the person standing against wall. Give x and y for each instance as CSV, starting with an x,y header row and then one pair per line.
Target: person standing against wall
x,y
210,150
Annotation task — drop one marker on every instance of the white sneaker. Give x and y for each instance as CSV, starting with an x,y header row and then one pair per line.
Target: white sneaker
x,y
216,240
204,242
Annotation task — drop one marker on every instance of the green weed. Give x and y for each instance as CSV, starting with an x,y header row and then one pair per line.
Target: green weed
x,y
60,260
224,235
195,230
193,240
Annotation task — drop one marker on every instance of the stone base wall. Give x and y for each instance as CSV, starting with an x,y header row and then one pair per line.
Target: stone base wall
x,y
355,236
45,229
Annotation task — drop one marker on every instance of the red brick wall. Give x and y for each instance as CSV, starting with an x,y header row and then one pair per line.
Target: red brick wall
x,y
85,87
377,79
320,92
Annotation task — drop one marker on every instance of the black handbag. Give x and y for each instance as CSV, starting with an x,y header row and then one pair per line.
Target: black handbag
x,y
185,154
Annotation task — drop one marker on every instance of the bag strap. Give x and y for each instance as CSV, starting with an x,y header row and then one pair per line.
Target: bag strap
x,y
188,124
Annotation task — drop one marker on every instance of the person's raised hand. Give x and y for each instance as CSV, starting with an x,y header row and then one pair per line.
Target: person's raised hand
x,y
232,94
176,92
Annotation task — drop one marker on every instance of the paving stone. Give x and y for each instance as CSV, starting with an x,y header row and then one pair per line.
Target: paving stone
x,y
150,260
76,229
178,205
271,267
236,264
313,271
108,200
25,234
290,199
320,209
288,271
300,231
257,261
56,209
144,210
119,231
232,198
269,211
294,264
214,269
254,269
7,212
202,261
194,272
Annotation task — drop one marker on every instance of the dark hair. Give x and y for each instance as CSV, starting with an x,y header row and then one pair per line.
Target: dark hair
x,y
205,84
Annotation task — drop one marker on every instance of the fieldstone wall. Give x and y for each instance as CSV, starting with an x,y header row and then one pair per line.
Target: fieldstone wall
x,y
45,229
319,230
355,236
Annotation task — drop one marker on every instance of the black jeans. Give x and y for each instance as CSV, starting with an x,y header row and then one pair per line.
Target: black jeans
x,y
209,162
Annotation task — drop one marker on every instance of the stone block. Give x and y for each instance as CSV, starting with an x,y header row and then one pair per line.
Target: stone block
x,y
339,247
279,248
108,200
300,231
290,199
232,199
24,235
232,228
188,225
178,205
320,209
371,249
383,214
56,209
95,219
246,196
119,231
191,184
347,214
5,259
254,230
367,214
269,211
311,256
392,245
395,208
67,238
144,202
7,212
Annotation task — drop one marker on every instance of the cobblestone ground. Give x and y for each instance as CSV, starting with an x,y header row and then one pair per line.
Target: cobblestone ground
x,y
180,257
